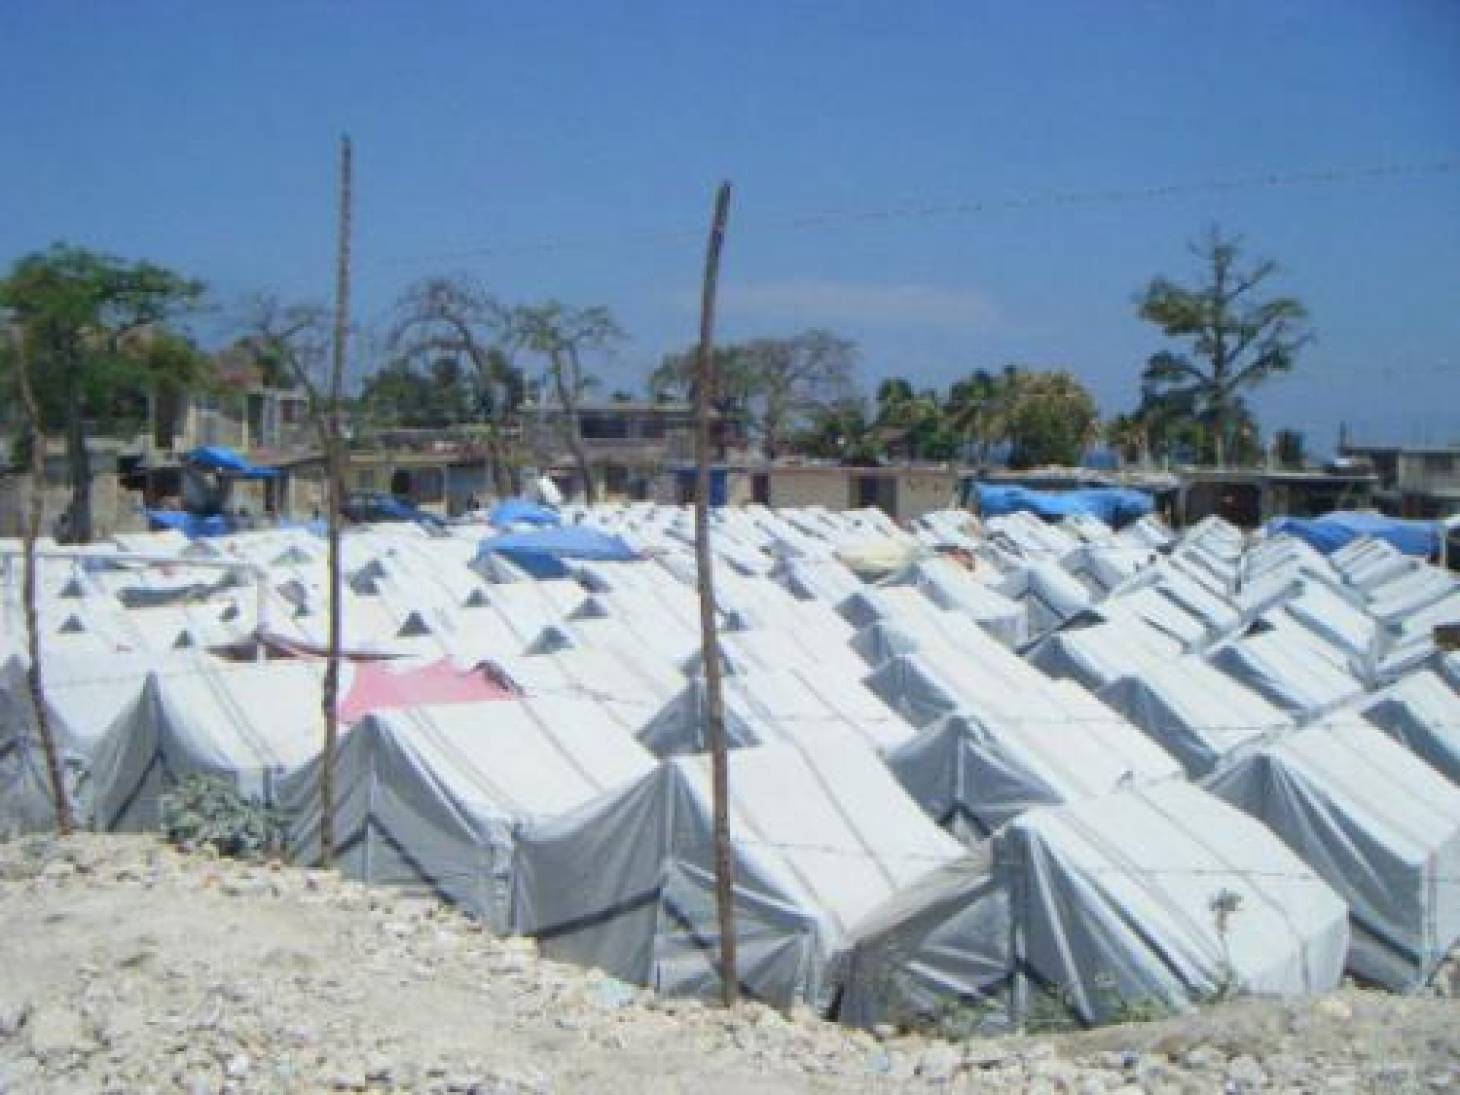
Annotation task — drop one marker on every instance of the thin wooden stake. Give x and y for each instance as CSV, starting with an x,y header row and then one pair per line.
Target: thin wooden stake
x,y
709,643
335,459
65,821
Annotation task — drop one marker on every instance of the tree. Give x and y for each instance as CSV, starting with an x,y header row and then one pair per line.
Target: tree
x,y
452,333
1237,340
31,531
775,385
913,424
839,432
975,410
1049,418
1290,448
96,329
1126,434
563,335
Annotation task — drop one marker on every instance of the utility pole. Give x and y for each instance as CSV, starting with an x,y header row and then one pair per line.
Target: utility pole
x,y
335,459
709,642
65,822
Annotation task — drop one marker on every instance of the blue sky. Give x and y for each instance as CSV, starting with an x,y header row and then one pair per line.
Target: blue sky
x,y
203,135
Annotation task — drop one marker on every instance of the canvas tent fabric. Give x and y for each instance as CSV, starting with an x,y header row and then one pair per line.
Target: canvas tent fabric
x,y
430,798
26,802
1287,672
1423,714
1380,825
251,724
1332,531
992,759
798,706
1049,595
1098,647
626,883
1111,899
1199,715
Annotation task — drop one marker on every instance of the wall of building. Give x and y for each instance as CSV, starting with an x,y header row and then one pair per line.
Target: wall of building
x,y
920,492
113,510
829,487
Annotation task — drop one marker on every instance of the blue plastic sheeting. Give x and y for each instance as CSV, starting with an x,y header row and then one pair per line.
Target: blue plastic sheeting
x,y
1333,530
218,458
519,511
1115,506
719,485
189,524
541,552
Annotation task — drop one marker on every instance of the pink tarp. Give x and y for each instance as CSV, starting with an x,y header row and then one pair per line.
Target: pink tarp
x,y
380,686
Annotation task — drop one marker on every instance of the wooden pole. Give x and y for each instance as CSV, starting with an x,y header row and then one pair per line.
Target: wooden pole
x,y
65,821
709,643
335,465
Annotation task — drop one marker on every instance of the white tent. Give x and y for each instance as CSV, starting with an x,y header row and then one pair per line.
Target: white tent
x,y
1287,665
252,724
1423,714
430,798
998,756
1102,645
1380,825
799,706
952,587
1201,716
1049,595
937,680
1111,900
626,882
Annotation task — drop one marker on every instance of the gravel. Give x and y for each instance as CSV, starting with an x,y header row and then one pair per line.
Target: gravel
x,y
128,967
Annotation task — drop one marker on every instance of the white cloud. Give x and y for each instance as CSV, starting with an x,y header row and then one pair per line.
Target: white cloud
x,y
837,302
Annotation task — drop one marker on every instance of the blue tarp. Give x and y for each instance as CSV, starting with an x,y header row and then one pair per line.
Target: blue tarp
x,y
1115,506
219,458
519,511
189,524
541,552
1333,530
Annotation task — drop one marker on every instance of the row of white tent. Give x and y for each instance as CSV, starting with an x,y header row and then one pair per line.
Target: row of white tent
x,y
919,811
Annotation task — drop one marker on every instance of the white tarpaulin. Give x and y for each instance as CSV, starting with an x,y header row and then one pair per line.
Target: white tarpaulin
x,y
626,882
250,724
1380,825
1111,901
430,798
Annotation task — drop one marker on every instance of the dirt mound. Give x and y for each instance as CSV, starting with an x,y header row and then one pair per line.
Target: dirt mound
x,y
130,968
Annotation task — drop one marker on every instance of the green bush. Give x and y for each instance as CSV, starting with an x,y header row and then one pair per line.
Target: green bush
x,y
210,812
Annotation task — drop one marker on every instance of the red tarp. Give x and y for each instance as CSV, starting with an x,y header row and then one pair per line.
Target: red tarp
x,y
379,686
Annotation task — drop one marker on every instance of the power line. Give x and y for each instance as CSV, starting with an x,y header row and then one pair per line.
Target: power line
x,y
837,218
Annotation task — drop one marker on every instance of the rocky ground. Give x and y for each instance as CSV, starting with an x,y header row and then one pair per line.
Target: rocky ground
x,y
126,967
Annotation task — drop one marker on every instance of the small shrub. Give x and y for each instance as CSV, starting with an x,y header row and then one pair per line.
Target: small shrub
x,y
210,812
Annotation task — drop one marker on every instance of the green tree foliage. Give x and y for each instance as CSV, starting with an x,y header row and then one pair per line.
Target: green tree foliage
x,y
1234,339
841,432
101,337
913,425
1048,417
975,410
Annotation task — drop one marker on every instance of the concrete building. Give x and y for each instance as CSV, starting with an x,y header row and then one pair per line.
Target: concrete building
x,y
1249,497
903,492
1414,481
628,443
